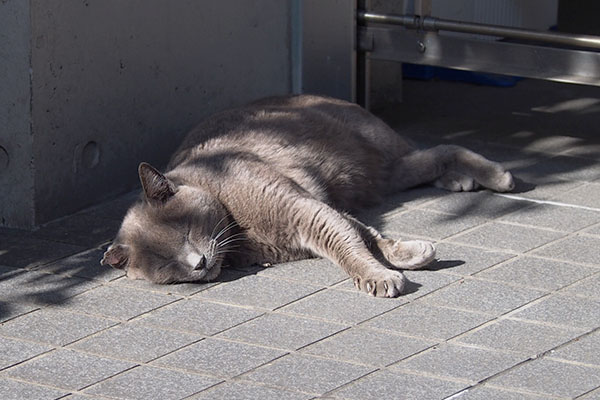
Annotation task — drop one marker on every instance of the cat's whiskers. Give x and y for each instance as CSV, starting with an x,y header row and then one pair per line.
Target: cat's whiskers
x,y
230,240
219,223
229,226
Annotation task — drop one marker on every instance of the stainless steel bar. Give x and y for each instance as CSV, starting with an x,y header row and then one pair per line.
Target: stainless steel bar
x,y
435,24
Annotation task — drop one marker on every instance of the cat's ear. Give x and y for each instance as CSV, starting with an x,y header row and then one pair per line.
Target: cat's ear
x,y
116,256
157,187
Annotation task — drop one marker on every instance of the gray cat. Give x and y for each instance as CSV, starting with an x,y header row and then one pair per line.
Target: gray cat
x,y
276,181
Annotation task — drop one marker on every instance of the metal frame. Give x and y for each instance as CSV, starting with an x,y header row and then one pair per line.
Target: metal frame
x,y
415,39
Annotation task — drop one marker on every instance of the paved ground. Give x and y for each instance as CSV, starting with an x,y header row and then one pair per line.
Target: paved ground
x,y
511,310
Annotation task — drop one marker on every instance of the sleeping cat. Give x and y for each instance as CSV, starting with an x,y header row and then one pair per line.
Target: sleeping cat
x,y
276,181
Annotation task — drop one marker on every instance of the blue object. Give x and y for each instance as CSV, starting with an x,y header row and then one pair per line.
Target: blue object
x,y
427,72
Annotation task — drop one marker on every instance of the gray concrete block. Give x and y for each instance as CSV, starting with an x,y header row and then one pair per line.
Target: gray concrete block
x,y
23,251
259,291
565,219
482,204
550,377
501,236
84,265
584,350
134,343
573,312
37,288
219,358
114,209
54,326
247,391
588,287
488,297
537,273
465,260
398,385
14,351
308,374
460,362
282,331
119,302
145,382
183,289
523,337
367,346
344,306
594,230
200,317
482,392
427,321
579,249
587,195
428,224
316,271
67,369
9,311
15,390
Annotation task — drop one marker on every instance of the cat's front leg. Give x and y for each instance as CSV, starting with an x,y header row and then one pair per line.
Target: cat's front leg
x,y
328,233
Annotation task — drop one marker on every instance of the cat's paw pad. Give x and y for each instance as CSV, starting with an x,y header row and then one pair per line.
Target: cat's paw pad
x,y
381,283
411,254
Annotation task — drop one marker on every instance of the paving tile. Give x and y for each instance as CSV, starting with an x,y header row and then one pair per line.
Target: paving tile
x,y
519,336
15,390
114,209
594,230
119,302
592,395
567,168
367,346
79,229
398,385
343,306
580,249
427,321
540,376
465,260
219,357
587,195
307,374
537,273
565,219
54,326
502,236
259,291
584,349
247,391
460,362
316,271
14,351
482,204
574,312
134,343
535,187
184,289
12,310
146,382
482,392
196,316
37,288
67,369
488,297
84,265
428,224
24,251
588,287
283,331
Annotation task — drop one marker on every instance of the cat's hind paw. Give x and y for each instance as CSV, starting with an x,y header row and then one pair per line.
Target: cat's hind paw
x,y
381,283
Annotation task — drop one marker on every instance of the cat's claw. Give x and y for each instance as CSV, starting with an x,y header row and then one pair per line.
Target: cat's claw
x,y
382,283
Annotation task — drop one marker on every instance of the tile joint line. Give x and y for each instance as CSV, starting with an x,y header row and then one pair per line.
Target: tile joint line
x,y
552,203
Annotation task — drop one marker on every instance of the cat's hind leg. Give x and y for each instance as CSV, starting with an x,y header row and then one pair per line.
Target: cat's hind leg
x,y
451,167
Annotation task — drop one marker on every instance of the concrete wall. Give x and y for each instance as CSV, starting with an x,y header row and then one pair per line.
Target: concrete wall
x,y
116,82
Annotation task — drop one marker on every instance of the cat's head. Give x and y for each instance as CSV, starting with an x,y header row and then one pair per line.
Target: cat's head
x,y
178,233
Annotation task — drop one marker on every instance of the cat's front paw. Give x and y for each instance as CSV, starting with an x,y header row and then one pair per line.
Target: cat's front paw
x,y
381,283
411,254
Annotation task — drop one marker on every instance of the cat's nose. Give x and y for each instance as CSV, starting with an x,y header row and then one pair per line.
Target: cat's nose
x,y
201,263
